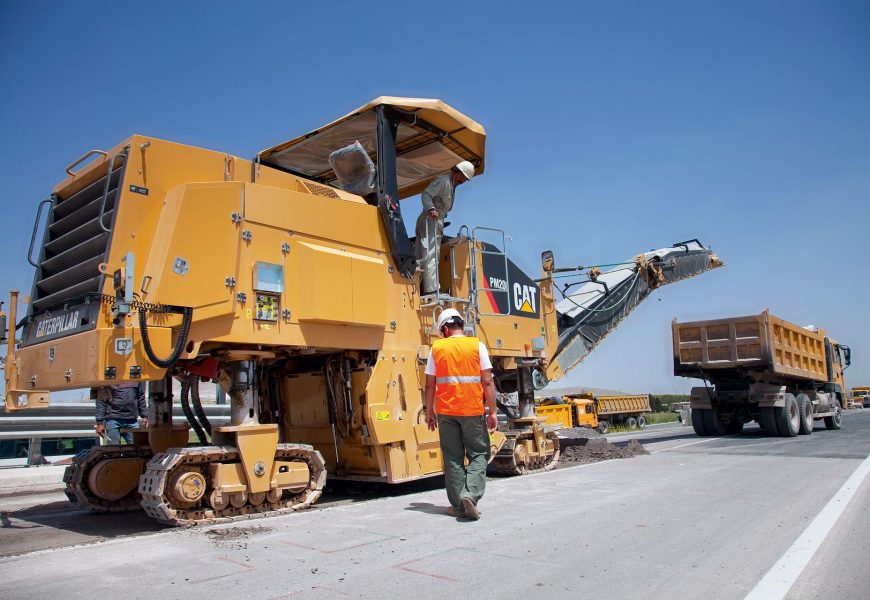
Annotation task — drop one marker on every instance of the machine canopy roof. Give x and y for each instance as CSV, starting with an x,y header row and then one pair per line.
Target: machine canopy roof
x,y
432,137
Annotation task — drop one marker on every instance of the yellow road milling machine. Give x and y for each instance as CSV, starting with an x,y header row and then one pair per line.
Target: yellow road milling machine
x,y
290,280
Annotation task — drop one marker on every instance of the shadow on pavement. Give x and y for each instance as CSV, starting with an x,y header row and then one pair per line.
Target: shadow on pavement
x,y
68,517
360,491
428,507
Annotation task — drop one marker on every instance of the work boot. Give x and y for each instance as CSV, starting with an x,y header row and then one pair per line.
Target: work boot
x,y
455,511
470,508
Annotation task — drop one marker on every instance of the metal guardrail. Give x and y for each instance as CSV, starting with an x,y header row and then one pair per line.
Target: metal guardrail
x,y
74,421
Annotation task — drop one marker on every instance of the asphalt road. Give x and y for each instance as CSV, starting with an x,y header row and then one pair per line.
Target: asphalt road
x,y
731,517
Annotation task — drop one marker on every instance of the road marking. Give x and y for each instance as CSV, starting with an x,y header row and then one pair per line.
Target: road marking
x,y
235,562
404,567
383,538
684,445
778,580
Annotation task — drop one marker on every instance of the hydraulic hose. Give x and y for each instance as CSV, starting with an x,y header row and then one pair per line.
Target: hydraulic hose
x,y
188,413
197,406
511,412
187,317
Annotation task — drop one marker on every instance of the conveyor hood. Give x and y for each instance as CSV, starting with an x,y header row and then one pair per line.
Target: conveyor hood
x,y
591,309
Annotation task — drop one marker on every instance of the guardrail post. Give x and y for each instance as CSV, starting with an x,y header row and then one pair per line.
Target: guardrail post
x,y
34,452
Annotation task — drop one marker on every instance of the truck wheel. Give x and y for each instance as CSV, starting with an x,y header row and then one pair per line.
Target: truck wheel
x,y
631,422
602,427
806,409
788,417
714,425
837,420
735,427
641,421
699,423
768,420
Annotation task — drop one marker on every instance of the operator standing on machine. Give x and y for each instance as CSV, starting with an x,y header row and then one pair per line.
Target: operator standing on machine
x,y
120,406
437,202
459,373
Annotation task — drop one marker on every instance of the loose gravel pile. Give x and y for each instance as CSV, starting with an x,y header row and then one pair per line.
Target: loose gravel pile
x,y
578,450
578,433
235,537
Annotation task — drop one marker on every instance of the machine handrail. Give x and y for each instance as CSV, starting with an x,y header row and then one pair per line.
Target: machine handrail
x,y
106,187
72,173
35,229
476,288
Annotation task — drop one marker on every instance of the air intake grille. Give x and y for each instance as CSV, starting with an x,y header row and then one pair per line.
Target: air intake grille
x,y
320,190
75,245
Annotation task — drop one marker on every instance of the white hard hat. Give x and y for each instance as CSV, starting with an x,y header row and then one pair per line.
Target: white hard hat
x,y
466,168
449,315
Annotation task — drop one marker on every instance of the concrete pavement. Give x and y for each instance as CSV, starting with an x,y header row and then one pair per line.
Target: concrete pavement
x,y
703,518
47,478
25,480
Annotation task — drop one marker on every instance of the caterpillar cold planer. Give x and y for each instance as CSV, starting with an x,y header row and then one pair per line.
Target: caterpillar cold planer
x,y
162,261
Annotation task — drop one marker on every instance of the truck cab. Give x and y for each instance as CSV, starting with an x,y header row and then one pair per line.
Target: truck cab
x,y
840,360
859,397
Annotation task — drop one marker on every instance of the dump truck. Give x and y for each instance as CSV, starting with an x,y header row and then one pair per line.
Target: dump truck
x,y
289,278
760,368
595,412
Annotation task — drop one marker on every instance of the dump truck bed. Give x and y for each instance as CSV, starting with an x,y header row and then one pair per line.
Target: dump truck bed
x,y
751,343
556,414
613,405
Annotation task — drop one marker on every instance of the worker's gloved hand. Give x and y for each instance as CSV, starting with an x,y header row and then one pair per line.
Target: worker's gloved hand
x,y
491,422
433,214
100,429
431,421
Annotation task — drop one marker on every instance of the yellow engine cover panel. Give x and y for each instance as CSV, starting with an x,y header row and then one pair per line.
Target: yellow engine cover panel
x,y
369,290
185,268
340,286
325,273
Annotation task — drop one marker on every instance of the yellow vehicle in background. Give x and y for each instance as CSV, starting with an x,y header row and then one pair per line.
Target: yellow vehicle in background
x,y
859,397
595,412
290,279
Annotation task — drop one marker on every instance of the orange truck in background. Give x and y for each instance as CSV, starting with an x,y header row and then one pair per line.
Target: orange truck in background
x,y
595,412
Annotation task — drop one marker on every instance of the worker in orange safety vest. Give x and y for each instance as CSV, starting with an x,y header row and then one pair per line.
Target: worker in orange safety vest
x,y
458,380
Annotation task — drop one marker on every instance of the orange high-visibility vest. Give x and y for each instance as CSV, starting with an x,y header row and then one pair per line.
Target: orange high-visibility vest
x,y
458,390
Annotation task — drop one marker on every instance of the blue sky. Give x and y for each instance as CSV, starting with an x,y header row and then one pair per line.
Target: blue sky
x,y
614,128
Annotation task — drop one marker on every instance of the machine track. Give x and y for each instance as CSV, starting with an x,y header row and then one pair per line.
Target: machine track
x,y
513,459
158,504
76,477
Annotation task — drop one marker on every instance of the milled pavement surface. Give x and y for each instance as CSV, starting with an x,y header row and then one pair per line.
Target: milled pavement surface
x,y
698,517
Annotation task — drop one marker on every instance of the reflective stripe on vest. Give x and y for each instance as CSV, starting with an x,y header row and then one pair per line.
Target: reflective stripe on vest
x,y
458,379
458,390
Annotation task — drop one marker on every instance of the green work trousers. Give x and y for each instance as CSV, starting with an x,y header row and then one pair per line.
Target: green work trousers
x,y
463,437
